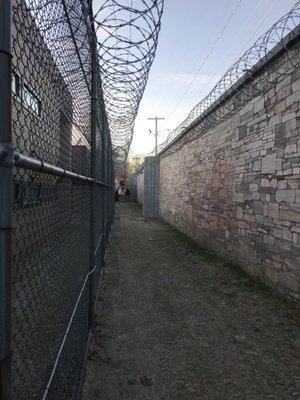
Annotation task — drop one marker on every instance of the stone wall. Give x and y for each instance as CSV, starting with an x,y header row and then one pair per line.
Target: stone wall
x,y
235,187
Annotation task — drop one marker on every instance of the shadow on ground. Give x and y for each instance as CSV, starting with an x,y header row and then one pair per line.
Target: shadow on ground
x,y
175,322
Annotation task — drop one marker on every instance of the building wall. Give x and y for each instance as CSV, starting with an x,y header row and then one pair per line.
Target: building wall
x,y
47,134
235,188
140,188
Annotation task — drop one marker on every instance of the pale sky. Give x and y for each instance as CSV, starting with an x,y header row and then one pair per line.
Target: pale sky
x,y
190,29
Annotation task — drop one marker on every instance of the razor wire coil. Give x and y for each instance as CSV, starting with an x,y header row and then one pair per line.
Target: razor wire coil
x,y
127,34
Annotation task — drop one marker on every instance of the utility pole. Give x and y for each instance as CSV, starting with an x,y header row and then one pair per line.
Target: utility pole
x,y
156,132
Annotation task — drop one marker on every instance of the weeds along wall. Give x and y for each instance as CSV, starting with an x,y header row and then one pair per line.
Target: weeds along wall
x,y
56,196
231,182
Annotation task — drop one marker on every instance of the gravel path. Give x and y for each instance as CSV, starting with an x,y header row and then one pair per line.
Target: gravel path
x,y
175,322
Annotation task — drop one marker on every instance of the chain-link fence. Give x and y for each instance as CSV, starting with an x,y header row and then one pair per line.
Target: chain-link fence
x,y
56,195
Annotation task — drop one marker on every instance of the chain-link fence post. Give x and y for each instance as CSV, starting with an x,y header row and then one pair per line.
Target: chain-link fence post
x,y
107,195
109,172
6,157
94,110
110,210
106,191
103,178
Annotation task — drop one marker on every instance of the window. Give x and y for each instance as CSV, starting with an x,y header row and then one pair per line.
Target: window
x,y
31,100
18,195
27,95
15,84
27,194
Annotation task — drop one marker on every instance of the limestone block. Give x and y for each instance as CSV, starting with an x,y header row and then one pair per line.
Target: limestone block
x,y
269,164
298,196
286,195
296,87
288,215
273,210
253,187
287,235
258,105
280,133
290,149
293,98
242,132
255,195
257,164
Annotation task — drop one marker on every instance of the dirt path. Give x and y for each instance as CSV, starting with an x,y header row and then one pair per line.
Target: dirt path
x,y
177,323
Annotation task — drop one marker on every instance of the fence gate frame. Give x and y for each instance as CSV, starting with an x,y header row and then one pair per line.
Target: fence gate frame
x,y
6,155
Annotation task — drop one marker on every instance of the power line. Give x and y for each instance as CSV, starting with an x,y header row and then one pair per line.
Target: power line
x,y
207,56
185,51
156,119
237,54
264,44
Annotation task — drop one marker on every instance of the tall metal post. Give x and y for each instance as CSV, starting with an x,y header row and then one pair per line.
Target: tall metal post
x,y
108,191
6,155
104,171
156,130
102,197
94,98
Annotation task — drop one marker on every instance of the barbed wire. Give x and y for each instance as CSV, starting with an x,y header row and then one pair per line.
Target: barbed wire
x,y
127,34
263,48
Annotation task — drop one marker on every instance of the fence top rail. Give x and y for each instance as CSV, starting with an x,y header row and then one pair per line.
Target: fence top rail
x,y
36,164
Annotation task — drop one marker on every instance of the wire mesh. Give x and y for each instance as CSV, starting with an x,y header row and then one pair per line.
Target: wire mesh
x,y
60,224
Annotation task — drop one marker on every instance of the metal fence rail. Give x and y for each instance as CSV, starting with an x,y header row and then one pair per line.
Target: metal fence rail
x,y
56,195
